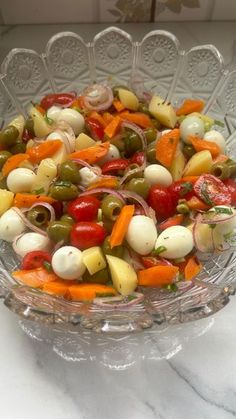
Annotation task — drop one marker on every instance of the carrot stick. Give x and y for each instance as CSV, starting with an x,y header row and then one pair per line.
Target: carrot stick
x,y
200,145
13,162
109,182
138,118
121,225
112,128
189,106
58,287
44,150
172,221
35,278
98,117
195,203
87,291
92,154
166,147
192,268
108,117
157,276
118,105
191,179
26,200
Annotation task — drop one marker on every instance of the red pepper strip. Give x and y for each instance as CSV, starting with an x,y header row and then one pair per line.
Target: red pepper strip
x,y
60,98
113,165
96,129
138,158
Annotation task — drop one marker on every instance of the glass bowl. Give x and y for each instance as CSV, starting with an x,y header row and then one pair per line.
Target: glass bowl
x,y
155,64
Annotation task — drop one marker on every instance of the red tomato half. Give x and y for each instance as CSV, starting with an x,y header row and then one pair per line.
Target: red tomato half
x,y
159,198
84,208
231,185
212,191
150,261
35,259
87,234
180,190
56,98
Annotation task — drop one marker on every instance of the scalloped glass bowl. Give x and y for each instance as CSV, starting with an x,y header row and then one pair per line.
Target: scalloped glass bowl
x,y
158,63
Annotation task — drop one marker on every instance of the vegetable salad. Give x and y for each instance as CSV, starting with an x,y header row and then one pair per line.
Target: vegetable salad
x,y
105,193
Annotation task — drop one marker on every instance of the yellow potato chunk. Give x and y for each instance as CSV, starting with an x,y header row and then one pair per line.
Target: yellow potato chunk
x,y
83,141
123,275
93,259
199,163
163,112
128,99
6,200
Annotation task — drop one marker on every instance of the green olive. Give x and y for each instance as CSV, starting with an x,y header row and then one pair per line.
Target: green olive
x,y
188,151
59,231
156,123
220,170
117,251
63,191
69,171
151,153
139,185
136,174
150,134
67,219
19,147
8,136
29,125
143,108
38,216
107,224
232,167
133,143
4,156
100,277
3,183
118,142
111,207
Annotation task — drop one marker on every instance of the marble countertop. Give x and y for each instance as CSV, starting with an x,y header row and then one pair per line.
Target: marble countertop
x,y
181,372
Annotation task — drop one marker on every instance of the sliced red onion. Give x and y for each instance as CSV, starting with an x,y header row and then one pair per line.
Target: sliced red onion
x,y
132,258
166,262
14,244
49,207
103,190
96,170
28,223
211,217
98,97
199,246
119,301
69,103
147,210
67,133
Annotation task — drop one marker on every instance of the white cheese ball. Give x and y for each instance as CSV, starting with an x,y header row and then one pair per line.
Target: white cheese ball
x,y
177,240
157,174
216,137
141,234
53,112
87,176
227,226
20,180
112,154
191,125
73,118
67,263
30,242
11,225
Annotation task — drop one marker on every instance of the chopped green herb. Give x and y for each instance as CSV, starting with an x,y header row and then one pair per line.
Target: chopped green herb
x,y
171,287
159,250
212,226
48,120
222,210
185,188
219,123
38,191
47,266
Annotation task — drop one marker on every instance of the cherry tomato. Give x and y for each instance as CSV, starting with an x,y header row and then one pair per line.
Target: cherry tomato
x,y
180,190
87,234
159,198
84,208
58,208
35,259
95,128
114,165
138,158
56,98
212,190
172,221
231,185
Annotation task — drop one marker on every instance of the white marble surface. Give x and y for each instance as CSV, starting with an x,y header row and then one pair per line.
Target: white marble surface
x,y
187,372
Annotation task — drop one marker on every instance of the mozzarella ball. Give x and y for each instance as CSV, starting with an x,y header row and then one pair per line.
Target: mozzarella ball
x,y
56,136
73,118
141,234
30,242
227,226
177,240
53,112
67,263
216,137
20,180
155,173
87,176
11,225
191,125
113,153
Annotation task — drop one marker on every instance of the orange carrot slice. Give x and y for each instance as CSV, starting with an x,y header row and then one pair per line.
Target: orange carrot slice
x,y
200,145
58,287
166,147
99,118
195,203
109,182
87,291
192,268
34,278
172,221
92,154
118,105
112,128
121,225
24,200
189,106
157,276
44,150
108,117
138,118
13,162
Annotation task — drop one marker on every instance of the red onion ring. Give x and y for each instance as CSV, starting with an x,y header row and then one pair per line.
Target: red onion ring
x,y
217,218
14,243
28,224
49,207
110,302
147,210
96,170
103,190
65,130
69,103
98,97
